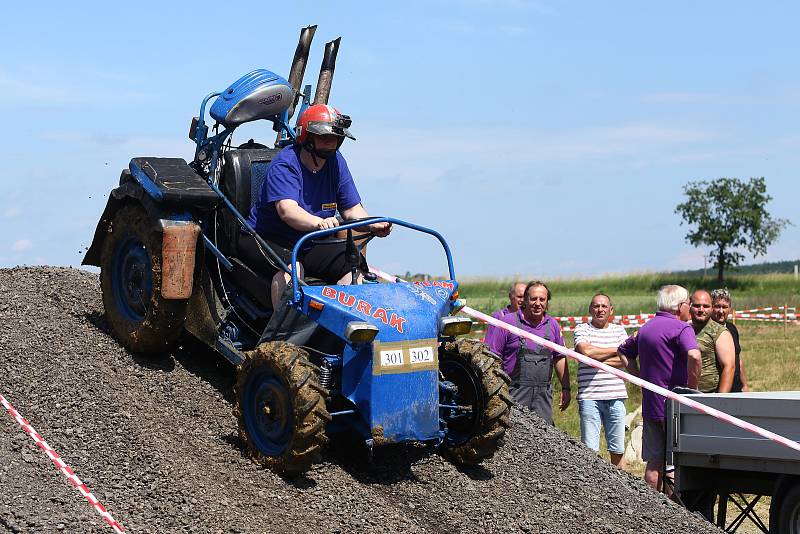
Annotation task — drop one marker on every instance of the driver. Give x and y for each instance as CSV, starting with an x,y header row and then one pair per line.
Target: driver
x,y
306,184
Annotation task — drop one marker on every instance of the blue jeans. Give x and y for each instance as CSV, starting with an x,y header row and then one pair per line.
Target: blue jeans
x,y
611,413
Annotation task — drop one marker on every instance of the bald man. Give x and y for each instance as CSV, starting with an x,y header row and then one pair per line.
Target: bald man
x,y
515,294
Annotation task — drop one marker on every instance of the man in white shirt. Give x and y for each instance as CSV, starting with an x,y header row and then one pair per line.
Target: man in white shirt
x,y
601,395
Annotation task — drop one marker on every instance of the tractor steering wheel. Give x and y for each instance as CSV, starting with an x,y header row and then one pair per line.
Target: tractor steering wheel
x,y
353,251
363,236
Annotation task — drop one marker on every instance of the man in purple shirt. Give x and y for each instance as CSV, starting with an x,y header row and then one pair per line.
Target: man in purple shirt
x,y
668,356
529,365
515,294
306,184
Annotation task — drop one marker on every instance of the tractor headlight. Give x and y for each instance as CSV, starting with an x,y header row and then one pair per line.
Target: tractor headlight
x,y
360,332
455,326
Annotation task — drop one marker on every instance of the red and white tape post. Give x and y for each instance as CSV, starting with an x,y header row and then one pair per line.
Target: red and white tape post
x,y
64,468
713,412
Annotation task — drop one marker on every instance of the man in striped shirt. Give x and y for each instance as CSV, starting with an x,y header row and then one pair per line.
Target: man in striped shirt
x,y
601,395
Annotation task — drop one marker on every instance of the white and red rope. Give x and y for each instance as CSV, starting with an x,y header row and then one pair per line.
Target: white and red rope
x,y
59,463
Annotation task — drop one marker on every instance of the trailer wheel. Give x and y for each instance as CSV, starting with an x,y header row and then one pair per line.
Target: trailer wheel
x,y
280,407
789,512
482,385
130,279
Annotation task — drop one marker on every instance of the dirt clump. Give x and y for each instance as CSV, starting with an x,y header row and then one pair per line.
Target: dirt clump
x,y
156,441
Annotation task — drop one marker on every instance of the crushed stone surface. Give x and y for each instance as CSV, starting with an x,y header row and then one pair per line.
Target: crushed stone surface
x,y
156,442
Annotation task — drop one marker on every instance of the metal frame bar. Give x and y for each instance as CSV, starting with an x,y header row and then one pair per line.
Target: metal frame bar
x,y
298,295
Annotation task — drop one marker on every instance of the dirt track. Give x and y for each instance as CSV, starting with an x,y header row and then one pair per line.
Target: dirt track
x,y
157,444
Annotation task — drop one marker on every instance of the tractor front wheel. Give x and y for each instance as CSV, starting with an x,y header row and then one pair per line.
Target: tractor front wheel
x,y
130,279
280,406
483,386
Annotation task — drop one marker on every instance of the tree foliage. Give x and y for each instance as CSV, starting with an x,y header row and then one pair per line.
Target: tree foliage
x,y
729,215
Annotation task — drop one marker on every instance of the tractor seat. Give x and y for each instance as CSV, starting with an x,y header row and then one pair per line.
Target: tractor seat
x,y
245,172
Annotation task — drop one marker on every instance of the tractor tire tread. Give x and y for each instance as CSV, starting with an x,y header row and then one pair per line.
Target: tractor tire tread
x,y
495,419
159,330
308,400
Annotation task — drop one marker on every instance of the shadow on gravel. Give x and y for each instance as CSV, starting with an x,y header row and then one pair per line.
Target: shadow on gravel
x,y
389,465
203,362
98,320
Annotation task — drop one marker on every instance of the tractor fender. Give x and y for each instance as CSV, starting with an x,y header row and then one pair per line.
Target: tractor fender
x,y
129,191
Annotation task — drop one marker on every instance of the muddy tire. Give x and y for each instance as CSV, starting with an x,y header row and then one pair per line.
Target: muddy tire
x,y
482,384
280,407
130,279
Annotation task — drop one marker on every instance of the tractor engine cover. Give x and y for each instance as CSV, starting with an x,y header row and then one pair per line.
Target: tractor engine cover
x,y
261,94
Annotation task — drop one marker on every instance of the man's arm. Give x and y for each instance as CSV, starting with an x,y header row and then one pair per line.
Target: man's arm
x,y
595,352
358,212
726,359
742,376
633,367
562,372
619,361
695,366
292,214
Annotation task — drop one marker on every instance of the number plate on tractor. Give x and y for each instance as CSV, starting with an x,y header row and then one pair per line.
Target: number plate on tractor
x,y
390,358
405,356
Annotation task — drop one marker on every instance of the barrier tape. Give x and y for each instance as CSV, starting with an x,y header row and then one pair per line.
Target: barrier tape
x,y
713,412
638,320
63,467
771,308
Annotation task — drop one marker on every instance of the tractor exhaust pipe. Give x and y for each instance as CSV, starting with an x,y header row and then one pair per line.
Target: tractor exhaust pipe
x,y
299,62
326,72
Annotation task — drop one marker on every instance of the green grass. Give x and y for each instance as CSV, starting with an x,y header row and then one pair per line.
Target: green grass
x,y
637,293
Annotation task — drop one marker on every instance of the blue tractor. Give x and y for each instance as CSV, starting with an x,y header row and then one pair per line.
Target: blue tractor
x,y
380,361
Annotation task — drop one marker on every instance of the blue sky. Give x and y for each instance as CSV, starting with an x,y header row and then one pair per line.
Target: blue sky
x,y
541,138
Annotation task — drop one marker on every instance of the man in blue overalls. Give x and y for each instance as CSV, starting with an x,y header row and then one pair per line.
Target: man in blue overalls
x,y
529,365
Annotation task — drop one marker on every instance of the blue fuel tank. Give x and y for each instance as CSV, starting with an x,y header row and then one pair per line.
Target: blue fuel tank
x,y
260,94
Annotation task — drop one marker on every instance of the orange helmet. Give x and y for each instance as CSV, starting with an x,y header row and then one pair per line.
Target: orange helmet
x,y
322,119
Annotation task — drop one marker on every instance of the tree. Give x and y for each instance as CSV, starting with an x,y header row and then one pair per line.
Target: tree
x,y
729,214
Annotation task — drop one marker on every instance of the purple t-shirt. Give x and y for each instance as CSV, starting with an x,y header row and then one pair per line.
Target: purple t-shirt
x,y
662,346
505,344
491,331
321,193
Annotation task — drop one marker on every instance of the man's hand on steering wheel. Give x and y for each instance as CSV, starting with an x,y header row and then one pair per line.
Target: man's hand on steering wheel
x,y
381,229
330,222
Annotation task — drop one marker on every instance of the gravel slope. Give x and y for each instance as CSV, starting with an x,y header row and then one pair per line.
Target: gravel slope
x,y
157,444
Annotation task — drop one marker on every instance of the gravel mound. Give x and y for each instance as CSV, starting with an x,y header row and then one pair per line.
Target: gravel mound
x,y
157,444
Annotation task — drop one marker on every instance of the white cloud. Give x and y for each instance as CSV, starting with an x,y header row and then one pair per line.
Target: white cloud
x,y
75,86
126,147
12,212
513,30
21,245
678,98
424,157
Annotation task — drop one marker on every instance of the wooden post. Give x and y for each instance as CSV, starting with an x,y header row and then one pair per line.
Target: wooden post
x,y
785,317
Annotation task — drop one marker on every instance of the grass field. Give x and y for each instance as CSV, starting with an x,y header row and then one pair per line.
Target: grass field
x,y
637,293
771,353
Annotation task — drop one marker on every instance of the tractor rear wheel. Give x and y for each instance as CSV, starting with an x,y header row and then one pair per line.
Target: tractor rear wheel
x,y
280,406
483,386
130,279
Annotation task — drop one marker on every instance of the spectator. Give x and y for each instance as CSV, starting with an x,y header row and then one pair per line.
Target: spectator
x,y
529,365
601,395
515,294
716,346
721,308
668,356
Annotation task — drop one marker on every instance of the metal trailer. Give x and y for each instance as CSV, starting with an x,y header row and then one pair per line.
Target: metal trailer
x,y
714,458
